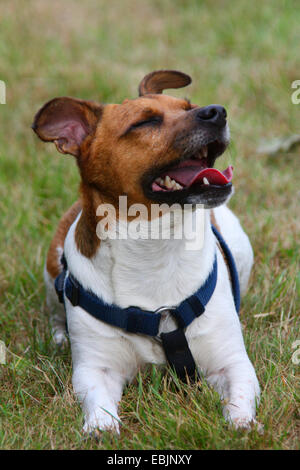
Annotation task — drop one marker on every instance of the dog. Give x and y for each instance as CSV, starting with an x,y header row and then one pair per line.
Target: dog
x,y
152,150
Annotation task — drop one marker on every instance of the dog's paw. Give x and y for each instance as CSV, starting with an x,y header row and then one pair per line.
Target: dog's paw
x,y
101,422
246,424
60,338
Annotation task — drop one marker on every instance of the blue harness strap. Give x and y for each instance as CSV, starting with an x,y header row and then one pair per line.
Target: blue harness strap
x,y
135,320
235,284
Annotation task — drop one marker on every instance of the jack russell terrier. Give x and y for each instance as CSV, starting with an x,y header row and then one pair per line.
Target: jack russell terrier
x,y
123,295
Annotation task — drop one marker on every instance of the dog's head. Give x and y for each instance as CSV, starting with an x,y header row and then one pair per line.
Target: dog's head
x,y
154,148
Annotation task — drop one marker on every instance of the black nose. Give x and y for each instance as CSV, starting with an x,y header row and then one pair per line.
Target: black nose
x,y
212,114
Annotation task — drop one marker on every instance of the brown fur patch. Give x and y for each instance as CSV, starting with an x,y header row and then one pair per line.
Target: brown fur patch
x,y
112,161
53,259
85,235
113,154
118,159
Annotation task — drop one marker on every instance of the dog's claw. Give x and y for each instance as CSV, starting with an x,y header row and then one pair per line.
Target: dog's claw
x,y
247,425
96,434
96,428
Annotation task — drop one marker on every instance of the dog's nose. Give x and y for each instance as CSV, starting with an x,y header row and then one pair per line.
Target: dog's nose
x,y
212,114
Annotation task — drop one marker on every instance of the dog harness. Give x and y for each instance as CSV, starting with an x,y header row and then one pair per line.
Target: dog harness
x,y
135,320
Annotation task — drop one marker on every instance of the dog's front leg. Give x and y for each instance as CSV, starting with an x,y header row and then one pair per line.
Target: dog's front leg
x,y
99,390
239,389
220,353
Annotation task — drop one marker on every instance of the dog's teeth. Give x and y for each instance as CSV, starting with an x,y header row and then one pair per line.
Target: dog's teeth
x,y
176,185
203,152
168,182
205,181
159,181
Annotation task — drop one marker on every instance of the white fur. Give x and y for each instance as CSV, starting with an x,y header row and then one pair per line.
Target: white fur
x,y
151,274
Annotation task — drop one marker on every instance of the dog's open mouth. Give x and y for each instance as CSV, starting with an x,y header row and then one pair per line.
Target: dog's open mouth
x,y
197,169
192,179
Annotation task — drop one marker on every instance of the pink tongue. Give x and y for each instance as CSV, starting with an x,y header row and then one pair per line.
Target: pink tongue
x,y
188,175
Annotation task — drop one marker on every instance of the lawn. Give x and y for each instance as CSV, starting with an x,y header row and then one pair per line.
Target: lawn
x,y
243,55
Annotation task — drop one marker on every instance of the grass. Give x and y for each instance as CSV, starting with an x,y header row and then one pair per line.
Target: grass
x,y
240,54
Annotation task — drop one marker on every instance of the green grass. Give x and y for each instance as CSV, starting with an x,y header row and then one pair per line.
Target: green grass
x,y
241,54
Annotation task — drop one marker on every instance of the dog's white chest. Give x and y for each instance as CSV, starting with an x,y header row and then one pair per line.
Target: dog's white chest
x,y
145,273
154,275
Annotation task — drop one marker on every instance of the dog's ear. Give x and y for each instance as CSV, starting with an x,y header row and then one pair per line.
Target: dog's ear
x,y
67,122
160,80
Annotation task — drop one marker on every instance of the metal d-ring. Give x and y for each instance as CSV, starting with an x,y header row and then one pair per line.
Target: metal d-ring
x,y
158,311
164,309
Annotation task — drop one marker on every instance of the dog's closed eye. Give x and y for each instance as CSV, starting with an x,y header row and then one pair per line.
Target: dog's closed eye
x,y
151,121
